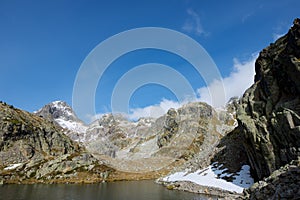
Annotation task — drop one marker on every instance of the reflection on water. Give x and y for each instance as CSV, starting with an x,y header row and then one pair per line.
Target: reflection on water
x,y
131,190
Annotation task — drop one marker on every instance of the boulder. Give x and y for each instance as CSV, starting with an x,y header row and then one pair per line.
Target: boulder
x,y
283,183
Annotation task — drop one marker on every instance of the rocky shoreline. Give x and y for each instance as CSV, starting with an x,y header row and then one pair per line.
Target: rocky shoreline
x,y
210,192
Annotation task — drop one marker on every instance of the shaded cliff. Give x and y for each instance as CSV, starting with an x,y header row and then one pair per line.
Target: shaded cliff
x,y
268,114
268,132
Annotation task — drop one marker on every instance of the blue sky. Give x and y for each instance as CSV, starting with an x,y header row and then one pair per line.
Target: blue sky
x,y
43,43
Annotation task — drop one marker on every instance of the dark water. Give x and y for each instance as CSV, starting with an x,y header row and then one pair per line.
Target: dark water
x,y
131,190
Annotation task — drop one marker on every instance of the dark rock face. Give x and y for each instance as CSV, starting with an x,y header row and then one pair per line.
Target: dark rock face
x,y
170,128
230,152
268,113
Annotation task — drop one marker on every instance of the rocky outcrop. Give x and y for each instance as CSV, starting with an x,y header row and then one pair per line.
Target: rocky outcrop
x,y
169,129
230,152
67,168
281,184
189,130
268,113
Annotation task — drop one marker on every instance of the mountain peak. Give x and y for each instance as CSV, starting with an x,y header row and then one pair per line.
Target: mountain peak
x,y
61,113
57,109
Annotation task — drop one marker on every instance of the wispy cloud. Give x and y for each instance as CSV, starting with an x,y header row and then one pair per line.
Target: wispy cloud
x,y
154,110
247,16
193,23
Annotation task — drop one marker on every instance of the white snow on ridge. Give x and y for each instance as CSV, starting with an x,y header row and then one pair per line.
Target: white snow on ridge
x,y
72,125
60,105
208,177
64,120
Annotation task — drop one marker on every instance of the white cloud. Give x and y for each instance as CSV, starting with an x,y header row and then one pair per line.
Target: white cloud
x,y
154,110
193,24
241,78
92,118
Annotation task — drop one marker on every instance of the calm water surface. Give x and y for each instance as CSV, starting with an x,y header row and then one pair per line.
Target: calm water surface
x,y
131,190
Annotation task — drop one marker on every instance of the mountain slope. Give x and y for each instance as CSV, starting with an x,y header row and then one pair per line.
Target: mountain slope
x,y
186,135
33,149
24,136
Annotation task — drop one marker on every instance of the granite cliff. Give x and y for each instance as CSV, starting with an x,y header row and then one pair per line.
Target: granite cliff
x,y
268,113
268,135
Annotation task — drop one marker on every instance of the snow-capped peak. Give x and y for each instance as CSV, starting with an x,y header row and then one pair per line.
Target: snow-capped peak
x,y
63,114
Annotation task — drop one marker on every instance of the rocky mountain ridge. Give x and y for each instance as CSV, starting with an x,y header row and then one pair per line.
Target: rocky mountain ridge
x,y
114,144
116,132
37,150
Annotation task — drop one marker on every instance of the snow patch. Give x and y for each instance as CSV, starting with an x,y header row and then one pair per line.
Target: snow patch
x,y
60,105
72,125
13,166
209,177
